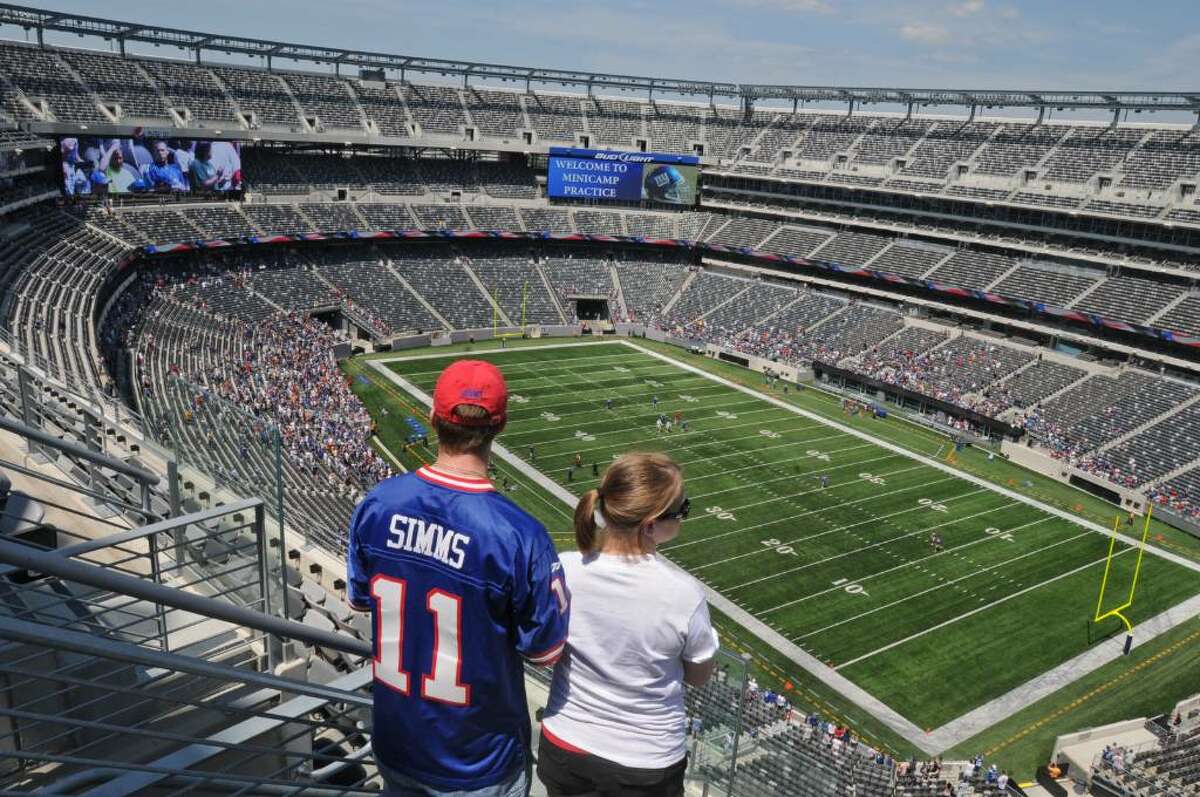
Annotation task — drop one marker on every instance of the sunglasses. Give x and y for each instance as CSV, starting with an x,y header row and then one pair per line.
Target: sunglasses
x,y
679,514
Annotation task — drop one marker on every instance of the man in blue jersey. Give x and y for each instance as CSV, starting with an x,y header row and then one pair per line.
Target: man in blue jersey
x,y
461,584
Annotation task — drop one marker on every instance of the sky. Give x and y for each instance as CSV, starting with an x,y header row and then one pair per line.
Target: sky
x,y
1008,44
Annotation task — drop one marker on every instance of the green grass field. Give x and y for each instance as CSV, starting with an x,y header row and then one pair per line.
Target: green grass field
x,y
846,571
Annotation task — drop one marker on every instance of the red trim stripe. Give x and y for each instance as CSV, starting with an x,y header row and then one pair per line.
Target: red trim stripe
x,y
464,483
559,743
548,657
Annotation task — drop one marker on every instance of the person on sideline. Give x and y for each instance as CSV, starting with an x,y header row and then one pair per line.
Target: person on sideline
x,y
461,584
615,722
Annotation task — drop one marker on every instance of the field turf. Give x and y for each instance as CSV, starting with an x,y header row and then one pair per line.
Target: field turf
x,y
846,571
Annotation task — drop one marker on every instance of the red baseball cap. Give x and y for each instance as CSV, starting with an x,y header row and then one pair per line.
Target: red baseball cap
x,y
472,382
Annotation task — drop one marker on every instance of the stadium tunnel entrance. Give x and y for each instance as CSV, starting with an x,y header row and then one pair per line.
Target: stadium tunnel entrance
x,y
590,308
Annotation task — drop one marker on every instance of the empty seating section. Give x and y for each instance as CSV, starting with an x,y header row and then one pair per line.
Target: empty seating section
x,y
599,222
578,275
393,176
326,98
648,286
1162,159
442,175
1045,199
387,217
333,218
780,136
744,232
555,220
515,285
1155,451
1016,147
261,93
1043,284
440,217
615,123
438,276
1038,382
762,300
691,225
888,139
554,117
436,109
368,283
979,193
225,296
1183,317
117,81
971,269
40,76
823,136
852,248
274,173
649,225
1129,298
707,290
672,128
191,87
166,226
946,144
507,180
293,288
796,241
496,114
488,217
1087,151
727,133
909,260
850,333
115,225
219,221
381,104
1122,208
1102,408
277,219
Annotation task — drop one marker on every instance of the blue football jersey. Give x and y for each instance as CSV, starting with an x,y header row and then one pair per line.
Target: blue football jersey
x,y
461,583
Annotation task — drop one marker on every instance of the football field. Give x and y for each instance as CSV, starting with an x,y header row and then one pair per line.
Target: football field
x,y
821,533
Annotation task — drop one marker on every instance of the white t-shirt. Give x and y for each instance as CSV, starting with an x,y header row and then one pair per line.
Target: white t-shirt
x,y
617,691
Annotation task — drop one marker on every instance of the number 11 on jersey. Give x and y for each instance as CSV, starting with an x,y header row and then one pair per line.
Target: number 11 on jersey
x,y
443,684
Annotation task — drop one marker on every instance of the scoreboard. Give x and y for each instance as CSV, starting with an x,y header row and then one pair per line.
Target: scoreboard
x,y
622,176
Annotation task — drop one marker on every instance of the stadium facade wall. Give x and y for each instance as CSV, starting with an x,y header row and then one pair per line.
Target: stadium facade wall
x,y
1039,461
789,373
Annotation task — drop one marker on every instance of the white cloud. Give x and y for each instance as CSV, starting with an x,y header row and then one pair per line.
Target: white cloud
x,y
966,8
924,33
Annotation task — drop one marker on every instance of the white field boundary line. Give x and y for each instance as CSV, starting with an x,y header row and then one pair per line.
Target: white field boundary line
x,y
844,686
977,610
1096,527
377,441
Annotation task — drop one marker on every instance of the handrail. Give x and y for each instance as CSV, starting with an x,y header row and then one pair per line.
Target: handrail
x,y
54,564
141,475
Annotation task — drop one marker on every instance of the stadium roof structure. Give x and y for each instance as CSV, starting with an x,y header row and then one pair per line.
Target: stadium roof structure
x,y
41,20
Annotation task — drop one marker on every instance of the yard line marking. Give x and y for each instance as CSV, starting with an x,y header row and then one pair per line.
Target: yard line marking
x,y
541,428
819,510
465,354
872,519
977,610
879,544
944,584
890,446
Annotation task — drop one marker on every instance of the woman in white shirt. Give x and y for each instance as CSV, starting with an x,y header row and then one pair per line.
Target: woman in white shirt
x,y
615,723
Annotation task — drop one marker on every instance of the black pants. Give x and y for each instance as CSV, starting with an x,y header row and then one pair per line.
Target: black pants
x,y
565,773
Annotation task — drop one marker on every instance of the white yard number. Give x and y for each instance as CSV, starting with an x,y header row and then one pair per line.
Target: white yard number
x,y
550,416
688,399
621,368
517,398
654,383
936,507
779,547
852,589
1003,535
873,479
729,416
812,452
442,685
584,436
769,434
719,513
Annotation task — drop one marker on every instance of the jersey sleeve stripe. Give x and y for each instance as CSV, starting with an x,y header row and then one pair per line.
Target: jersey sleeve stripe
x,y
444,479
549,656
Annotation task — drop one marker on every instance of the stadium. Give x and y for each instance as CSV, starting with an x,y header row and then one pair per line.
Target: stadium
x,y
929,360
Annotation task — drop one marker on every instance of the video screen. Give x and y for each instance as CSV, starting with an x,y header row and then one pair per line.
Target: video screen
x,y
114,166
622,176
